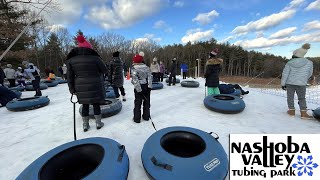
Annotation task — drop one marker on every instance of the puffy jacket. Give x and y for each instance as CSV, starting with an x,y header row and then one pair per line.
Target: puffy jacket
x,y
297,72
9,72
212,71
32,71
116,72
19,76
85,75
161,67
184,67
173,68
141,74
155,68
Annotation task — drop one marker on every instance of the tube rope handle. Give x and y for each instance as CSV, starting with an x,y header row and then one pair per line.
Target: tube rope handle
x,y
164,166
217,136
120,157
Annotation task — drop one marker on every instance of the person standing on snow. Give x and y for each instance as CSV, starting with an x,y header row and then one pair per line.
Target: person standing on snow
x,y
294,79
33,73
64,71
20,77
142,82
116,76
162,70
173,72
85,79
184,69
2,76
9,72
155,69
212,70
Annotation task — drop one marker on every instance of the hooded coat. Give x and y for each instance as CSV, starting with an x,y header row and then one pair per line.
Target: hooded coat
x,y
212,70
85,72
116,72
297,72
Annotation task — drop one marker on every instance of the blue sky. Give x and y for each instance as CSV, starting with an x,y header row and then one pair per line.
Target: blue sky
x,y
273,26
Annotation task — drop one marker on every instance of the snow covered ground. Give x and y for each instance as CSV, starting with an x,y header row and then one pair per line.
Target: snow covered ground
x,y
27,135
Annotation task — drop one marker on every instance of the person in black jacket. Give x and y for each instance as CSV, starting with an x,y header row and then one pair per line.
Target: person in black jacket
x,y
2,76
173,72
116,76
212,70
85,76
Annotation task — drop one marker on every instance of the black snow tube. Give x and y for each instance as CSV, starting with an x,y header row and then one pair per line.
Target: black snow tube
x,y
51,83
62,81
184,153
28,103
110,93
88,159
165,76
316,113
17,88
224,103
192,84
177,80
42,87
157,85
110,107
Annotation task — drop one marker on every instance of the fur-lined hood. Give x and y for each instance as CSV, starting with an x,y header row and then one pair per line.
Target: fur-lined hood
x,y
214,61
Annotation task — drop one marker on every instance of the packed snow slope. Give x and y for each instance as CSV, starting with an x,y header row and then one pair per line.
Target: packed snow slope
x,y
27,135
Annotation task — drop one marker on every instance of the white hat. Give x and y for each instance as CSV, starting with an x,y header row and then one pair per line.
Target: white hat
x,y
9,65
141,53
19,68
174,59
155,59
301,51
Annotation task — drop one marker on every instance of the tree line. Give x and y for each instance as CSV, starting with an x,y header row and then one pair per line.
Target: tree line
x,y
47,47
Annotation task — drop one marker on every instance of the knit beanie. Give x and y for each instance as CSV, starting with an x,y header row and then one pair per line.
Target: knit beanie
x,y
214,52
82,42
137,59
301,51
116,54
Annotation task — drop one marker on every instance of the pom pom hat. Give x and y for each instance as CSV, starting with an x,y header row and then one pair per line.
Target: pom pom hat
x,y
82,42
301,51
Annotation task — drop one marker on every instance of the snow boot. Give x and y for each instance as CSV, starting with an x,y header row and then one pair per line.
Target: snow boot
x,y
86,125
124,98
291,112
99,124
305,115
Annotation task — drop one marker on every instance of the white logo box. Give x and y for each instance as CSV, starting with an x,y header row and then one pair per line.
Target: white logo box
x,y
271,156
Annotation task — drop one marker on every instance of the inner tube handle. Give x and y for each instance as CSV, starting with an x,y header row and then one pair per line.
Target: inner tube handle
x,y
217,136
164,166
123,148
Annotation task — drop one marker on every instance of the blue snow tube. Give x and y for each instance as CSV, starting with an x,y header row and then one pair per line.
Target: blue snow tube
x,y
110,93
18,93
17,88
237,92
156,85
184,153
62,81
28,103
191,84
110,107
88,159
42,87
51,83
224,103
316,113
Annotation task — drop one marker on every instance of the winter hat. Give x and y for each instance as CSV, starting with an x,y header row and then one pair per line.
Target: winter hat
x,y
137,58
64,65
301,51
82,42
174,59
9,65
115,54
19,68
141,53
214,52
25,63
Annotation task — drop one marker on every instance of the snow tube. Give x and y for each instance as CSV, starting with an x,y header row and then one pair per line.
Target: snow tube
x,y
62,81
18,93
224,103
177,80
28,83
17,88
50,83
42,87
28,103
184,153
88,159
110,93
237,92
316,113
156,85
110,107
192,84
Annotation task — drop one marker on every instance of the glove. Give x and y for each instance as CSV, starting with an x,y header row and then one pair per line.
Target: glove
x,y
284,88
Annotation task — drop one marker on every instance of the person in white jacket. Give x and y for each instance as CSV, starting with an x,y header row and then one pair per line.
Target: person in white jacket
x,y
34,74
64,71
20,77
294,79
155,70
9,73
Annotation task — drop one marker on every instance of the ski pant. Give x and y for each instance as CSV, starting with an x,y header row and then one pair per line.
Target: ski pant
x,y
184,75
36,85
161,77
142,98
172,79
301,92
22,82
85,109
116,91
155,77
